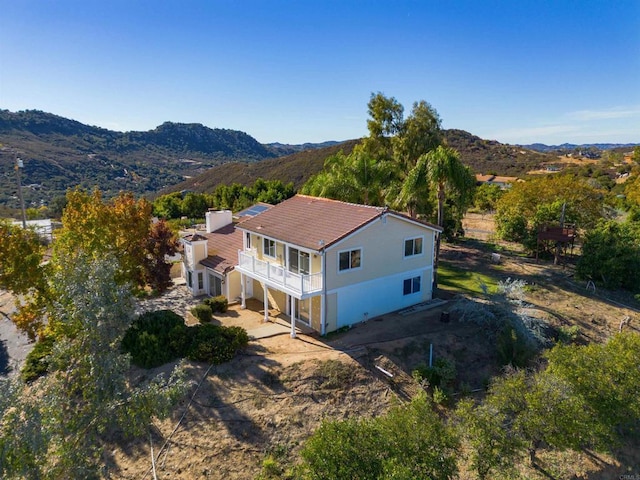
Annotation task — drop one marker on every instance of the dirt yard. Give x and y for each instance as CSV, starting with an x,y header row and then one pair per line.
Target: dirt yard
x,y
266,402
270,398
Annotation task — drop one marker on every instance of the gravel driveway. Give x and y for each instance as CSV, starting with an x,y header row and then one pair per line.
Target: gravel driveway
x,y
177,298
14,345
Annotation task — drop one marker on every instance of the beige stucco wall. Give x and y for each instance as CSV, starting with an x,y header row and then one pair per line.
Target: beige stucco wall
x,y
234,287
280,299
332,309
194,252
382,247
258,291
276,299
199,251
258,243
316,263
315,313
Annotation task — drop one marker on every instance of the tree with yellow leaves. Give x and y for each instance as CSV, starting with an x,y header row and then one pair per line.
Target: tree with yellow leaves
x,y
95,228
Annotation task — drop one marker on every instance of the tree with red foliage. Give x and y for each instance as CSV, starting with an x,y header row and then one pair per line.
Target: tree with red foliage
x,y
161,242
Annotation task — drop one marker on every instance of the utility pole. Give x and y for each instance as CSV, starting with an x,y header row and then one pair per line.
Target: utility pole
x,y
19,165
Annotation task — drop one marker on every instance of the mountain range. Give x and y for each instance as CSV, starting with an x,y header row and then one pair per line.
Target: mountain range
x,y
541,147
59,153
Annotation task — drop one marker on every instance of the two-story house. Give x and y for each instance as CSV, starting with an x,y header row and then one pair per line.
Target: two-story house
x,y
326,263
332,264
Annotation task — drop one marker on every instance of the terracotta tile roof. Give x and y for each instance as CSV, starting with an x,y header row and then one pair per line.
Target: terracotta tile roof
x,y
483,178
312,222
502,179
222,248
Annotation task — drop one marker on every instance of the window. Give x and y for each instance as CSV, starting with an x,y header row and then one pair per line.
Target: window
x,y
350,259
200,281
411,285
298,261
413,246
269,248
248,239
190,278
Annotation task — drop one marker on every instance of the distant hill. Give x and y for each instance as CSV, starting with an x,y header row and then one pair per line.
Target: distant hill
x,y
541,147
59,153
491,156
283,149
483,156
296,168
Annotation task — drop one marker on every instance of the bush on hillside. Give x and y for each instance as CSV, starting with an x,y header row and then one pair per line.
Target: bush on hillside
x,y
37,361
215,344
218,304
156,338
202,312
441,374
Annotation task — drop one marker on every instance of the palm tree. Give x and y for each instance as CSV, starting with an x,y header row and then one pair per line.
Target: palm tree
x,y
445,170
440,170
359,177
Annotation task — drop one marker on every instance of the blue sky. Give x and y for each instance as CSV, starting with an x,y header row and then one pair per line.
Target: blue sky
x,y
515,71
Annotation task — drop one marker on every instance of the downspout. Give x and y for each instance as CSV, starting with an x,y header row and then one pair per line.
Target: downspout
x,y
323,302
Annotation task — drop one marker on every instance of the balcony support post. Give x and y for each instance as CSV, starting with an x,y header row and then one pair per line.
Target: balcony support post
x,y
266,303
293,316
243,295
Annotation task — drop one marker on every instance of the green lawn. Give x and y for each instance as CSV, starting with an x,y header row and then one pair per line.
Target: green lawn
x,y
465,281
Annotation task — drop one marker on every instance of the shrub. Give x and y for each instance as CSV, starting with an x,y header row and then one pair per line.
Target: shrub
x,y
215,344
238,335
568,334
441,374
202,312
270,468
218,304
37,361
155,338
439,397
334,374
513,349
409,441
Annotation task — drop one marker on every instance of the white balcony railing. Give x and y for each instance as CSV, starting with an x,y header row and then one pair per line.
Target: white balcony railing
x,y
279,275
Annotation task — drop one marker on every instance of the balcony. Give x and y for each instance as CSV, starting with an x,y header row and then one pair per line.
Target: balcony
x,y
279,277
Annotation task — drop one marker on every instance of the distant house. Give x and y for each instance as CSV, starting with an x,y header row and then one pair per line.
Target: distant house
x,y
502,182
44,228
327,264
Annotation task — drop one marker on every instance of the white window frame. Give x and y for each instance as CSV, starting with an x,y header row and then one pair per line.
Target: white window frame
x,y
413,240
298,261
413,281
266,251
350,268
